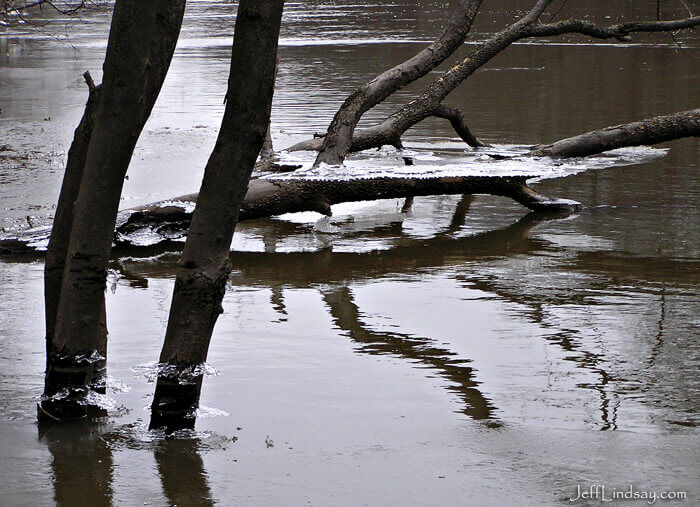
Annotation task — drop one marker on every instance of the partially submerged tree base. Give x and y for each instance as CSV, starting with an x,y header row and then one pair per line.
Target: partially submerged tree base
x,y
69,382
177,402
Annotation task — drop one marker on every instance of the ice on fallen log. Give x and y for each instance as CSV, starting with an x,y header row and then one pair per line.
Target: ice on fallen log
x,y
438,168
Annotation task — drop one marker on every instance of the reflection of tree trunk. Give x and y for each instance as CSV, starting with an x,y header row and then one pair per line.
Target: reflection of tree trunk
x,y
141,43
201,281
460,214
182,472
81,463
336,143
347,317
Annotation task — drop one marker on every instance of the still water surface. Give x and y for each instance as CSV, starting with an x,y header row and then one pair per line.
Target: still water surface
x,y
466,352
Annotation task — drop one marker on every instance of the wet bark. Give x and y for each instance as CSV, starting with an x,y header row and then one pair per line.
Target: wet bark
x,y
650,131
459,123
57,248
429,103
336,144
141,44
201,281
269,198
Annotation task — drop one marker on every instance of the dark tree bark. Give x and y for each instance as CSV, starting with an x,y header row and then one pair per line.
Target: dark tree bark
x,y
269,198
57,248
201,281
429,103
650,131
141,44
336,144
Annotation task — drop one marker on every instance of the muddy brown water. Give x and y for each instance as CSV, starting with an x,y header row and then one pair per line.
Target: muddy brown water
x,y
464,353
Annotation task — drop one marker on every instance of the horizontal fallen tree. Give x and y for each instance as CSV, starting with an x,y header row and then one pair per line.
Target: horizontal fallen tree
x,y
269,197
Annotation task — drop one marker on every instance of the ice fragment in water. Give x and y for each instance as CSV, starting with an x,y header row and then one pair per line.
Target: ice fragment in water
x,y
324,226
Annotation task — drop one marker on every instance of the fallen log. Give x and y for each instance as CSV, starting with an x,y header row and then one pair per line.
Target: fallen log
x,y
266,197
658,129
275,197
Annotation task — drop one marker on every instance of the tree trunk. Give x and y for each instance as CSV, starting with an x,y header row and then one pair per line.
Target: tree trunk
x,y
57,248
650,131
274,197
201,281
141,44
336,143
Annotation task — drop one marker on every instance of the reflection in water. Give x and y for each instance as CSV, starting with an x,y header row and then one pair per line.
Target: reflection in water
x,y
182,472
276,270
422,351
621,311
82,463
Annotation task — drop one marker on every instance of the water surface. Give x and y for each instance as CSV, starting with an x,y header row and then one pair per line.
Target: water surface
x,y
463,352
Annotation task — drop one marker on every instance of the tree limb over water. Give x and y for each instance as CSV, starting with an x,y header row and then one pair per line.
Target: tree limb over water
x,y
339,142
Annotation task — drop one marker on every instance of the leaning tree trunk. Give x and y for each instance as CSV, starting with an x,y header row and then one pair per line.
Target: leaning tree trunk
x,y
201,281
57,249
429,103
650,131
336,143
141,44
265,197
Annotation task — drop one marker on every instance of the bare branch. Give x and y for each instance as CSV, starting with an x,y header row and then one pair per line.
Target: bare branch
x,y
459,123
620,32
644,132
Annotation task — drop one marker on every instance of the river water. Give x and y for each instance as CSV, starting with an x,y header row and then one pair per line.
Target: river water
x,y
465,352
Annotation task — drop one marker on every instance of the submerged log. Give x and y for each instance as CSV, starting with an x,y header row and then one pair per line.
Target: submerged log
x,y
275,197
265,198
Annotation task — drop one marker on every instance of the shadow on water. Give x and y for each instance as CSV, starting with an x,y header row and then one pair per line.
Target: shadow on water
x,y
83,464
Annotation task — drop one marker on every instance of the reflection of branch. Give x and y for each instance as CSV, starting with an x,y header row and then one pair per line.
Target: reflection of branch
x,y
262,268
656,348
347,317
182,472
566,341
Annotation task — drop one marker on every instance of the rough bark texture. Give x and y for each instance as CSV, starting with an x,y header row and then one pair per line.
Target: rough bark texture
x,y
650,131
201,281
57,248
459,123
269,198
274,197
336,144
429,102
141,44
